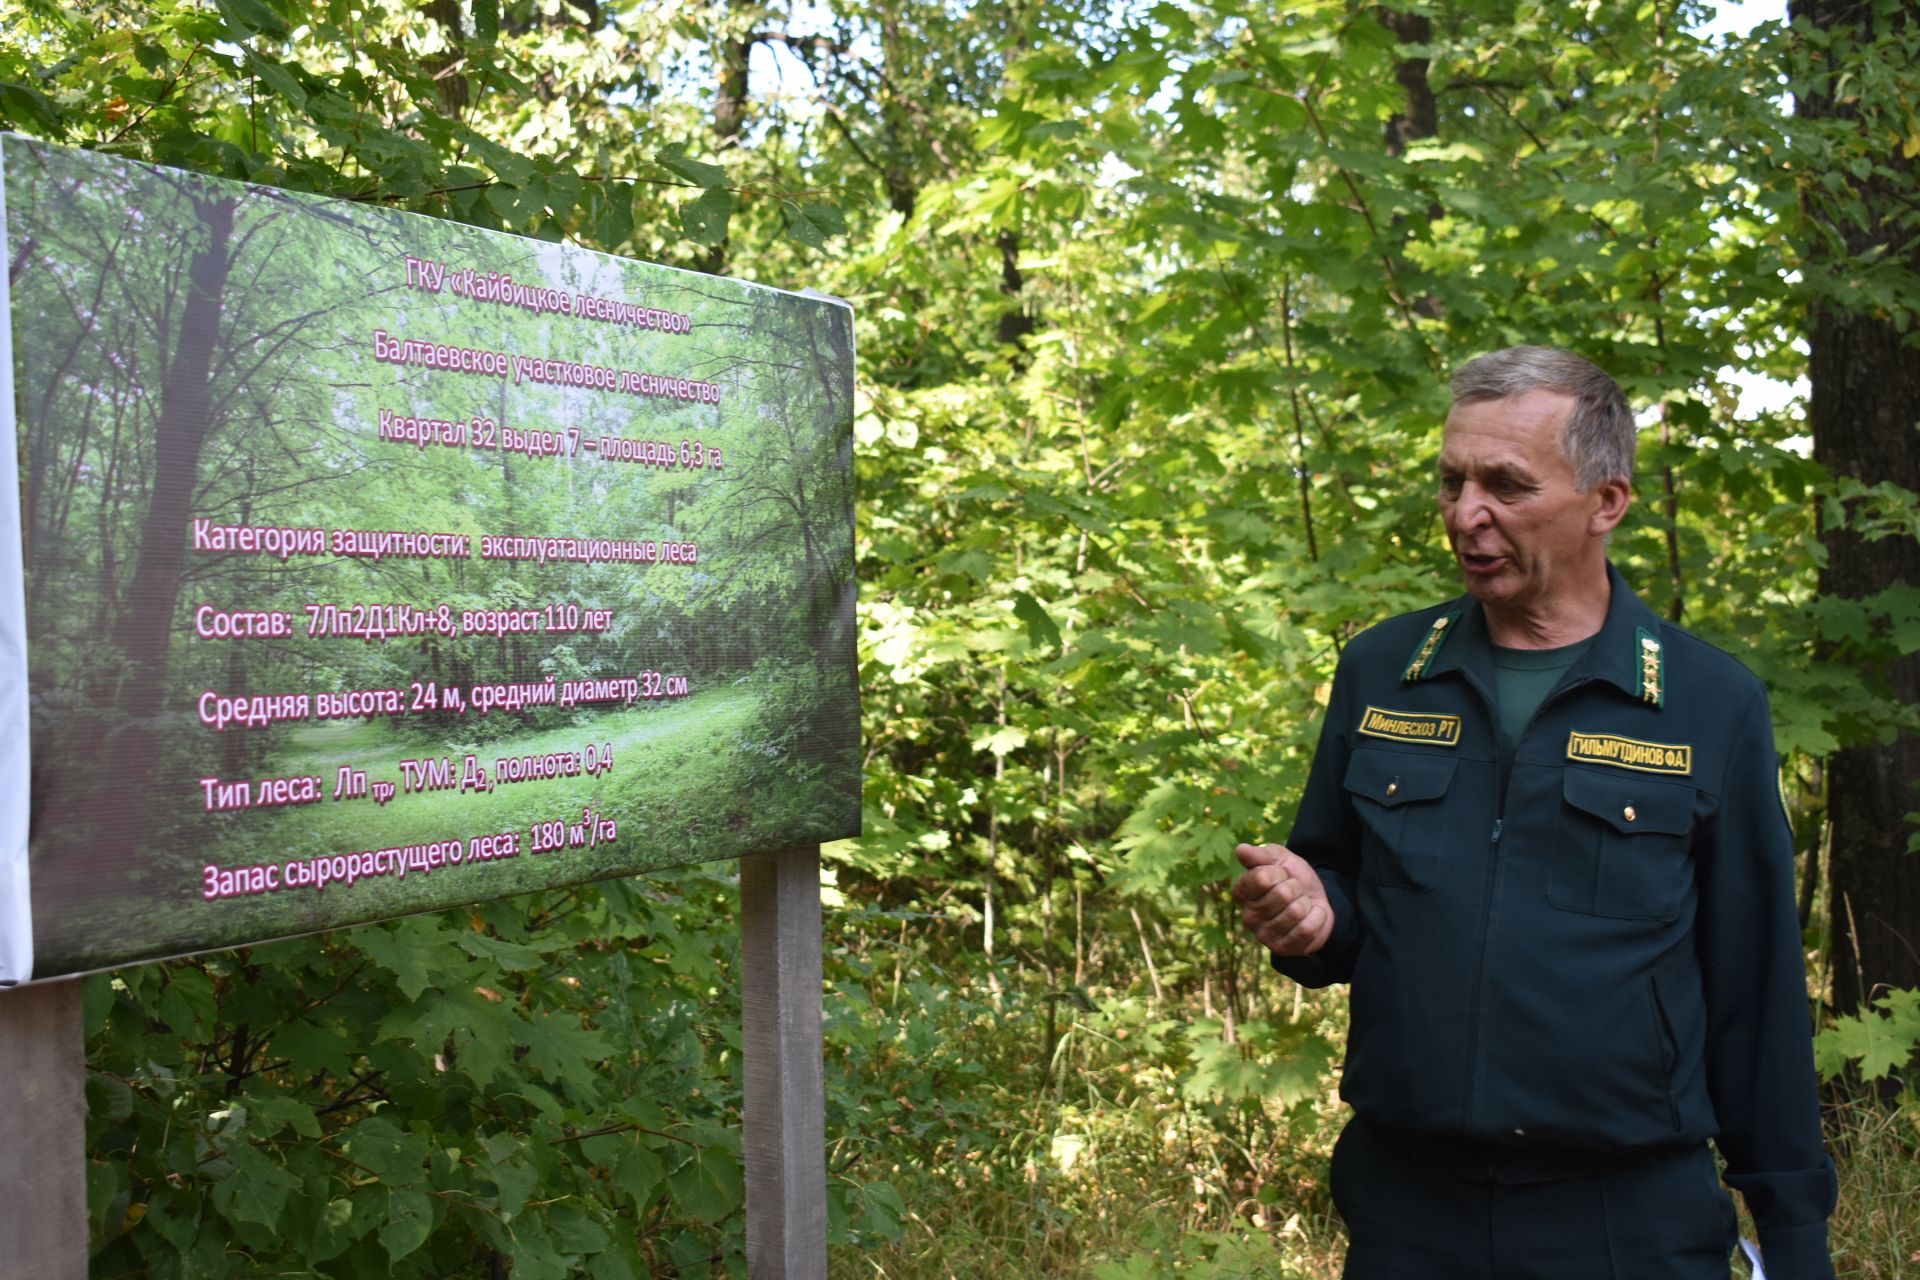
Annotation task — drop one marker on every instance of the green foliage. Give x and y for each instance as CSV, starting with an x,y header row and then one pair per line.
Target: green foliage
x,y
1052,1124
1877,1042
555,123
1205,1255
550,1080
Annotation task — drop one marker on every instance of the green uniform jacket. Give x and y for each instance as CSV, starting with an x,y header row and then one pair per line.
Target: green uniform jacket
x,y
1596,949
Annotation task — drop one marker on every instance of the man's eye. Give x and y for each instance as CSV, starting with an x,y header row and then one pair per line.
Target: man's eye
x,y
1450,485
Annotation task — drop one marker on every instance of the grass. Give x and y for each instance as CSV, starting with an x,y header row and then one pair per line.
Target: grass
x,y
1876,1227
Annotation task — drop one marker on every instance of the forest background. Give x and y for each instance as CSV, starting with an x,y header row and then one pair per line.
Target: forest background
x,y
1155,305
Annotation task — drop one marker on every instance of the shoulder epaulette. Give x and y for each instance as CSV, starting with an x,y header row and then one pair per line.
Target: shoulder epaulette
x,y
1652,666
1422,660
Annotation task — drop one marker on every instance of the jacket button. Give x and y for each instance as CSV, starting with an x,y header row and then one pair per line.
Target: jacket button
x,y
1392,787
1628,813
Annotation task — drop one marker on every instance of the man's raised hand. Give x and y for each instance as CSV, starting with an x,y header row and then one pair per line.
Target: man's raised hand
x,y
1282,901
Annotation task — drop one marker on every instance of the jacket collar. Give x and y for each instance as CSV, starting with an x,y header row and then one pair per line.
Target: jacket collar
x,y
1615,656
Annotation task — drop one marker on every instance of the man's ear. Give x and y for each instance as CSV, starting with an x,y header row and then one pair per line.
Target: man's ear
x,y
1613,497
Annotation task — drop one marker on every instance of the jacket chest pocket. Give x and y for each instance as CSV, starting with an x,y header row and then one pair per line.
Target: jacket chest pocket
x,y
1627,850
1400,798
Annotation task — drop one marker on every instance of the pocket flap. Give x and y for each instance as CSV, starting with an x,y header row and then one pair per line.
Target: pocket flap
x,y
1397,777
1631,806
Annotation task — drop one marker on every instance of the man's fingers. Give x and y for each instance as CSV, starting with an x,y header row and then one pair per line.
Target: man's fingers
x,y
1303,937
1268,897
1310,934
1258,882
1283,902
1259,855
1294,865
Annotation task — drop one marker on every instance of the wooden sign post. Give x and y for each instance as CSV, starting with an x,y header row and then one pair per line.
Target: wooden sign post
x,y
785,1104
43,1159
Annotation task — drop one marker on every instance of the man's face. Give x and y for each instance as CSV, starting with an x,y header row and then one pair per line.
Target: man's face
x,y
1518,524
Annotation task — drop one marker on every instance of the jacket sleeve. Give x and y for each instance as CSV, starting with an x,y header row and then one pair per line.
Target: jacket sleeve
x,y
1326,833
1759,1043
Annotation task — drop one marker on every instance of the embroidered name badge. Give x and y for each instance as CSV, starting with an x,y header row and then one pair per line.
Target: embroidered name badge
x,y
1630,753
1426,727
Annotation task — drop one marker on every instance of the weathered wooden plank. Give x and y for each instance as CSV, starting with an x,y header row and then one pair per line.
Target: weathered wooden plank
x,y
43,1138
785,1104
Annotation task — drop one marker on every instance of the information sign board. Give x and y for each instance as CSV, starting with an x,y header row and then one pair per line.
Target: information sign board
x,y
366,563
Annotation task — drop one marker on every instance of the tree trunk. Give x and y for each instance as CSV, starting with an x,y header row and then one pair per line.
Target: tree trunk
x,y
1865,401
733,56
1421,119
445,66
1017,321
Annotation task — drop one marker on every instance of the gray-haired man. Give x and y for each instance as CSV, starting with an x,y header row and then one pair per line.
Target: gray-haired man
x,y
1542,839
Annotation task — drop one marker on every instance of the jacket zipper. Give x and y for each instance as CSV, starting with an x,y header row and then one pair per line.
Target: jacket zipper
x,y
1480,973
1474,1039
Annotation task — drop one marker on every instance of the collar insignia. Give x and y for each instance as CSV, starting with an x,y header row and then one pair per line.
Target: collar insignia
x,y
1652,668
1422,661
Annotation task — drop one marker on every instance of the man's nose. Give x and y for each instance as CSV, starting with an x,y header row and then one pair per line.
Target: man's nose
x,y
1473,509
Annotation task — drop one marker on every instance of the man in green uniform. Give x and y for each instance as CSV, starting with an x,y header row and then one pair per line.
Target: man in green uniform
x,y
1542,839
